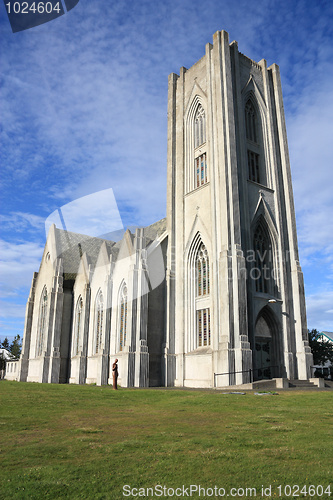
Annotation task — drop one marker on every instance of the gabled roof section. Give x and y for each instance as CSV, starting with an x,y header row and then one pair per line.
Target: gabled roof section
x,y
126,245
72,246
198,227
252,88
103,258
155,230
263,209
5,354
85,267
328,335
196,97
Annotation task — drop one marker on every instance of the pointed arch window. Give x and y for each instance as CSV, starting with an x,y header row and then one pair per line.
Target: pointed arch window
x,y
78,326
198,315
195,138
251,122
199,127
123,317
253,139
202,274
202,291
200,156
263,274
41,329
99,316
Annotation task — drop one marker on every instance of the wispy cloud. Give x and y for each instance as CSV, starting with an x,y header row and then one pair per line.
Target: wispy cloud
x,y
311,152
18,262
84,108
10,310
320,312
21,222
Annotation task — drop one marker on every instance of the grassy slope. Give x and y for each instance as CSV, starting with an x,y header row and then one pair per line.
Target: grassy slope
x,y
87,441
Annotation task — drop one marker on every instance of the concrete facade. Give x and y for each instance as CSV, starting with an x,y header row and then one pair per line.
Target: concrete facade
x,y
214,294
76,300
226,212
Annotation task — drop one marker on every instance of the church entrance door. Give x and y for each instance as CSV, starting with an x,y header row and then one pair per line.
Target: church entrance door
x,y
262,355
266,346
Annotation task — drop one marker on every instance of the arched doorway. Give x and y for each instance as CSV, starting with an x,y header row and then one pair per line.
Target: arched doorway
x,y
266,346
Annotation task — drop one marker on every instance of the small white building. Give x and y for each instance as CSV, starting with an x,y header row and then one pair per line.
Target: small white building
x,y
7,357
5,354
326,370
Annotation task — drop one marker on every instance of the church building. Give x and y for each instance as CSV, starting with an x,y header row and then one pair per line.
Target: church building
x,y
211,296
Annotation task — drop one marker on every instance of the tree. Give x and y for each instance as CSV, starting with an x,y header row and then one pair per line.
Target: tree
x,y
5,344
322,348
2,362
16,346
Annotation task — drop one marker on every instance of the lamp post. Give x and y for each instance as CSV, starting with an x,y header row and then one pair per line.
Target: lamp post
x,y
274,301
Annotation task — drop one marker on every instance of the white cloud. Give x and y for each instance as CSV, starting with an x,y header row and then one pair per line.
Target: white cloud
x,y
84,108
9,310
311,152
93,215
95,122
311,147
21,222
319,311
17,265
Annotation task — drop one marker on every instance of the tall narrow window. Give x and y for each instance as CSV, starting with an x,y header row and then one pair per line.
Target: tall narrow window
x,y
202,268
198,319
201,170
99,313
41,329
263,256
123,317
253,143
251,122
253,164
202,294
200,156
203,327
78,325
199,127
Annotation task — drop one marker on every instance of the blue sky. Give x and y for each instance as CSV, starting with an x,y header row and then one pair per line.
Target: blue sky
x,y
84,108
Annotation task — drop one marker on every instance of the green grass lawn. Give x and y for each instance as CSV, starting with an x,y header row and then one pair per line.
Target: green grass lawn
x,y
66,441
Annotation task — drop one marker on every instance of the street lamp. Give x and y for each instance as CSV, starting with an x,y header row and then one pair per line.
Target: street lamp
x,y
274,301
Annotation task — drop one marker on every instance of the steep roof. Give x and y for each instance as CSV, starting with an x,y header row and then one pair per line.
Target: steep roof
x,y
71,246
154,230
328,335
4,354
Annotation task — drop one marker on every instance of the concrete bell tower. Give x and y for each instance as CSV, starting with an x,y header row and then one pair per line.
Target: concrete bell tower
x,y
235,294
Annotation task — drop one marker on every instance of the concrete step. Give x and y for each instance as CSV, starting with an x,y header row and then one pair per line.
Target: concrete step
x,y
301,383
264,384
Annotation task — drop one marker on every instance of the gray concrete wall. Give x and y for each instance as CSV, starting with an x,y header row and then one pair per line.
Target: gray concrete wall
x,y
156,327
